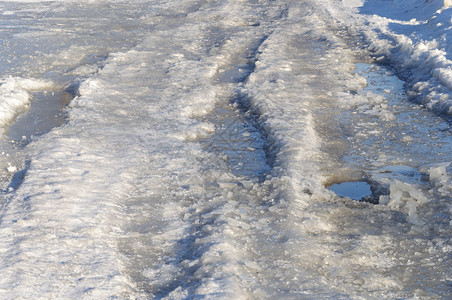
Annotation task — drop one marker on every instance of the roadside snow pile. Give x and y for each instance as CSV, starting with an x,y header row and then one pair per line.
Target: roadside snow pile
x,y
415,37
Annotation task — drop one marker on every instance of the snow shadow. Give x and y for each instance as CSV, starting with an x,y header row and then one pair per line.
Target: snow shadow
x,y
402,10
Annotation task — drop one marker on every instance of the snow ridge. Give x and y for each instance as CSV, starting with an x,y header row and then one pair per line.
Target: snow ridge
x,y
414,37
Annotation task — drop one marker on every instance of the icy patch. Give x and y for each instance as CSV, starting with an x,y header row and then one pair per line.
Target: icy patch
x,y
238,142
236,73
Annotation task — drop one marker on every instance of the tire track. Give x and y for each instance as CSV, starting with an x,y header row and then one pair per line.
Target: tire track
x,y
195,240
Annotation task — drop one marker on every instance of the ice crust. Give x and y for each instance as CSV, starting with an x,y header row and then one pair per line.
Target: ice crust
x,y
124,201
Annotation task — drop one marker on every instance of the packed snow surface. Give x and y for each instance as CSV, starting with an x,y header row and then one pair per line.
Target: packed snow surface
x,y
188,149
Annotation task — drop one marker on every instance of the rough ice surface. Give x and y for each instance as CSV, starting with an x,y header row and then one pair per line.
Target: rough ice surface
x,y
193,158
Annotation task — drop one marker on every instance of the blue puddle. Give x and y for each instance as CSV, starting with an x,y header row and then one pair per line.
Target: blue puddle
x,y
356,190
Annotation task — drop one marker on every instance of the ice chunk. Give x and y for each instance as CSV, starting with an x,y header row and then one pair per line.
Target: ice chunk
x,y
11,168
407,139
387,116
438,174
413,217
406,198
408,191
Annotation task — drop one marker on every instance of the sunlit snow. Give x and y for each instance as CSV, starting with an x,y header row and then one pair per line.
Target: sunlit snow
x,y
237,149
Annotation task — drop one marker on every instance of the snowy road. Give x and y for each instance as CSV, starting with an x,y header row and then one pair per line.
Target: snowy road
x,y
184,150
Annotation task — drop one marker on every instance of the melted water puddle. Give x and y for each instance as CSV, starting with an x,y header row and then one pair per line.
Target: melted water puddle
x,y
356,190
46,112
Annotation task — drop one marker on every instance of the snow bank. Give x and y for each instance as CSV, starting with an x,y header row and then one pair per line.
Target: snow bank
x,y
415,37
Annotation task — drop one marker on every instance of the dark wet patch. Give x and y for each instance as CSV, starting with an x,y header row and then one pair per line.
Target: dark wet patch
x,y
46,112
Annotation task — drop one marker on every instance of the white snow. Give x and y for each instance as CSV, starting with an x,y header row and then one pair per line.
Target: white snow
x,y
200,141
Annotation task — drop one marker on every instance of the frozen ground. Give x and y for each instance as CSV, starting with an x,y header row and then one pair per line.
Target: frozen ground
x,y
185,149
